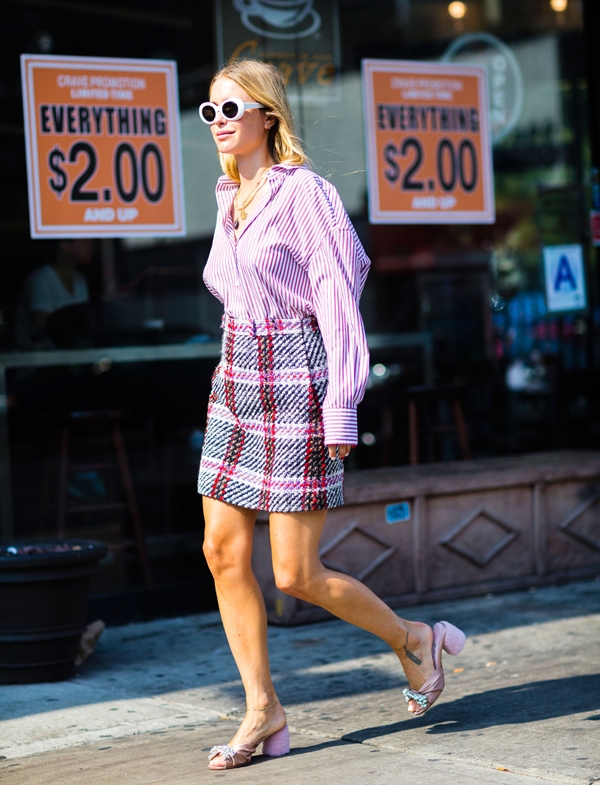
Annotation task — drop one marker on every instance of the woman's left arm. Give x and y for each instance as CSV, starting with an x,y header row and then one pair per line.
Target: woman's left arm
x,y
337,272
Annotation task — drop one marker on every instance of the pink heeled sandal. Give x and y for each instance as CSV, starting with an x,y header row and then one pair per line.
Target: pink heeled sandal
x,y
450,639
274,746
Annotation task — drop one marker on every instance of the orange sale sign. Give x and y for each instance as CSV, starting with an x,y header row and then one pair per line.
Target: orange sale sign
x,y
103,147
429,152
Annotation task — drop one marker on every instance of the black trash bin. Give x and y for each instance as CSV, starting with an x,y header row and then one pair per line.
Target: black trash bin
x,y
44,593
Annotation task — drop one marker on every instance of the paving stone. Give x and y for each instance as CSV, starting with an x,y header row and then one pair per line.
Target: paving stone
x,y
179,757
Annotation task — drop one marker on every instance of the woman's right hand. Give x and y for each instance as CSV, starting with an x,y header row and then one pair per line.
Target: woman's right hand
x,y
344,450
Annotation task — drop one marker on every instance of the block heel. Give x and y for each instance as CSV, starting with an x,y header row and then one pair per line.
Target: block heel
x,y
278,744
454,639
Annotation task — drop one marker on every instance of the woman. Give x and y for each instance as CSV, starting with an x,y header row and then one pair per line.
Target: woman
x,y
289,269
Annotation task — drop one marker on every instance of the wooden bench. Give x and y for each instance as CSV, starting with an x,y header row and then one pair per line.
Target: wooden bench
x,y
417,534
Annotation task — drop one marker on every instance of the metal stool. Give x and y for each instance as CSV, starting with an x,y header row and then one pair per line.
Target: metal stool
x,y
103,421
430,395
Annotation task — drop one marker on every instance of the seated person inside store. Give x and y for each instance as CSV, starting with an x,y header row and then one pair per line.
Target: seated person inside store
x,y
53,307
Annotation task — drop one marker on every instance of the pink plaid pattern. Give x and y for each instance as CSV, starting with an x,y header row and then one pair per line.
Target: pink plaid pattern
x,y
264,447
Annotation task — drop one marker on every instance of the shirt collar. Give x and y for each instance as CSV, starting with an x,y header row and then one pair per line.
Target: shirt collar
x,y
226,187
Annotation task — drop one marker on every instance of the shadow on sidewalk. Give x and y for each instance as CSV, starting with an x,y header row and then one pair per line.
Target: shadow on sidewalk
x,y
311,748
176,655
540,700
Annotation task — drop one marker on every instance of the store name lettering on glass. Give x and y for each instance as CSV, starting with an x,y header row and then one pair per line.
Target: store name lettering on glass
x,y
300,37
506,91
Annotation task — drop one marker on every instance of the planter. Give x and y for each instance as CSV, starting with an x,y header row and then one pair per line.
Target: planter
x,y
44,592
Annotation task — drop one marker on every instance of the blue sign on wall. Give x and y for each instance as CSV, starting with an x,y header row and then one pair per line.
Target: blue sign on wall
x,y
565,278
396,513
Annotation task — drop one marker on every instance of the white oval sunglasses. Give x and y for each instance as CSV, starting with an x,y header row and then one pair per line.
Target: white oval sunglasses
x,y
230,109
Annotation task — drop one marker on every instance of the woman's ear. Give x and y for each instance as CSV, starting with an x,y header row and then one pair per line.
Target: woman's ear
x,y
269,122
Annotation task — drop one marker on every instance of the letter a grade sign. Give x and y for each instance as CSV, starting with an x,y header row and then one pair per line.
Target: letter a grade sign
x,y
429,154
103,147
565,278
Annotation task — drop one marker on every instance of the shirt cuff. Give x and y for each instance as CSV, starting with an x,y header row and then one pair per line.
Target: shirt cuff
x,y
340,426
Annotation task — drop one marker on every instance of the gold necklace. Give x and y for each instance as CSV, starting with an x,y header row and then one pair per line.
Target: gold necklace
x,y
242,210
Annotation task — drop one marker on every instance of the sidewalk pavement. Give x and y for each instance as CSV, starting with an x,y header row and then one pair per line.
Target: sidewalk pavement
x,y
522,703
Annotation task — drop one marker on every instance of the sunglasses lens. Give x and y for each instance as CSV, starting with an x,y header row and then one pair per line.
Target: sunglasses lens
x,y
230,110
208,113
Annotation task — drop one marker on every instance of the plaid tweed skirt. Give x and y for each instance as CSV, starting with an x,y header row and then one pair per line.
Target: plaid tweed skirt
x,y
264,447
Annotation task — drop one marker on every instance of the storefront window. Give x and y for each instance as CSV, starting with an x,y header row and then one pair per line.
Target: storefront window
x,y
479,290
125,329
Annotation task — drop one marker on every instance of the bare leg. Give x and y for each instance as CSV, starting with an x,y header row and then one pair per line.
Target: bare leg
x,y
228,548
299,571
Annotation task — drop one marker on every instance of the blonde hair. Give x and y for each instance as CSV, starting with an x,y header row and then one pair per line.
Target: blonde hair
x,y
264,84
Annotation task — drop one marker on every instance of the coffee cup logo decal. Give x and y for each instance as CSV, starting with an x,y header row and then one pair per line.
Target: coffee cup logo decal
x,y
284,19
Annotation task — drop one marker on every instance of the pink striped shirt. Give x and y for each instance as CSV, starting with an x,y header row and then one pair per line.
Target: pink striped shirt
x,y
299,256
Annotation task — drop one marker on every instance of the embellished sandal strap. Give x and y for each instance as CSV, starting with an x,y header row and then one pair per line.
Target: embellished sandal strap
x,y
411,695
224,750
232,756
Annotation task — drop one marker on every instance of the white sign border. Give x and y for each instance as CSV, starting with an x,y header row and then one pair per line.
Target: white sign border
x,y
376,214
552,250
37,229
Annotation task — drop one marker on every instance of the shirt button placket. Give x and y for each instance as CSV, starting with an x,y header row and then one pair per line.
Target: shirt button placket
x,y
237,268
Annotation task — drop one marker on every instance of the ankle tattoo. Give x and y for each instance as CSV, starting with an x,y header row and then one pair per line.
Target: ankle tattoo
x,y
412,657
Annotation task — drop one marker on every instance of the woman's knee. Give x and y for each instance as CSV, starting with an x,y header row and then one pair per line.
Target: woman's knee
x,y
228,537
213,552
294,582
222,555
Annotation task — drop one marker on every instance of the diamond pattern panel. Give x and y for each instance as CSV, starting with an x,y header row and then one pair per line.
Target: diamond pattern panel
x,y
583,524
356,551
480,537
